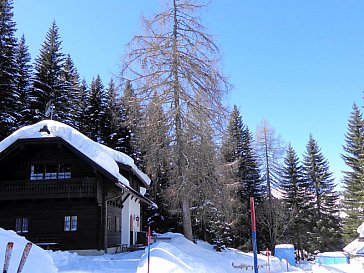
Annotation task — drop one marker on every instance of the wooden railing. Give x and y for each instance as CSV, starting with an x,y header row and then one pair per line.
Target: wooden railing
x,y
44,189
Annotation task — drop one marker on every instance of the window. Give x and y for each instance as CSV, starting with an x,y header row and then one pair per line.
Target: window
x,y
70,223
50,171
108,222
21,225
117,223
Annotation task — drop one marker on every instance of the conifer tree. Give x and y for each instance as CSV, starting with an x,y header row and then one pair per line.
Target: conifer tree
x,y
325,229
113,119
156,144
176,58
71,89
23,81
294,187
132,121
80,107
354,178
242,172
9,97
231,151
95,111
48,85
207,191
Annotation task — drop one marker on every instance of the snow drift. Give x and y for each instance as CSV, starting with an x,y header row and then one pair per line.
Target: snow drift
x,y
38,260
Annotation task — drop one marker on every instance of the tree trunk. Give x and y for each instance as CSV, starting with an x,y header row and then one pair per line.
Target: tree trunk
x,y
187,226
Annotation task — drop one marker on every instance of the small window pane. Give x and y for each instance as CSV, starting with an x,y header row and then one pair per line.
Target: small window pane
x,y
108,222
21,225
18,225
36,172
117,223
64,171
51,172
25,225
67,223
74,223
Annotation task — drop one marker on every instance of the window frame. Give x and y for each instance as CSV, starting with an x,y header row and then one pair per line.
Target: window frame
x,y
56,171
22,225
70,223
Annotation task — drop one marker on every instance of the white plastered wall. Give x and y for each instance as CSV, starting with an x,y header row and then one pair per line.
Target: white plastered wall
x,y
130,213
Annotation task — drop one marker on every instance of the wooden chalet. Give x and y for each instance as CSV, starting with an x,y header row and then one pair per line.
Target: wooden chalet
x,y
60,190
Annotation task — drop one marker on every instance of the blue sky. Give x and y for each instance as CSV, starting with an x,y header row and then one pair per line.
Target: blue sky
x,y
298,64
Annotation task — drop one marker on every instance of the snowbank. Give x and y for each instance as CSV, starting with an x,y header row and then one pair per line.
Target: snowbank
x,y
38,260
183,256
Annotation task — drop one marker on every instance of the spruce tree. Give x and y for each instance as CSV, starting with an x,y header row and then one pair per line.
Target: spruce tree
x,y
71,89
325,229
96,110
9,97
241,170
132,121
48,85
113,119
23,81
156,144
80,108
354,178
294,187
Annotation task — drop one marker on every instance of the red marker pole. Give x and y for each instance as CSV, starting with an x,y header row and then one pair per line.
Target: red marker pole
x,y
254,235
148,248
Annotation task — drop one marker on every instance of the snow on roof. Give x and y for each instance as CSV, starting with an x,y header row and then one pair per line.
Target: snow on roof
x,y
360,230
356,247
332,254
284,246
127,160
103,156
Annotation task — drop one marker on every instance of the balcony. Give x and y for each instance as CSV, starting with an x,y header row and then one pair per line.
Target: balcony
x,y
45,189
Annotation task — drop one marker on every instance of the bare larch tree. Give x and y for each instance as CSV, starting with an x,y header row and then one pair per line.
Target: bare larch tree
x,y
177,59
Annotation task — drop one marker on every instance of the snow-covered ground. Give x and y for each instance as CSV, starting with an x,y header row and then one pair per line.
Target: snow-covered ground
x,y
177,255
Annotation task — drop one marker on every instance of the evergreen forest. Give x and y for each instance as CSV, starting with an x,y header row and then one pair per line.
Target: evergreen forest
x,y
165,111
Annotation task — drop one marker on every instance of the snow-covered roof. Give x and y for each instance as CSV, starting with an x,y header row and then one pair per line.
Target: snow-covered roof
x,y
284,246
332,254
103,156
360,230
356,247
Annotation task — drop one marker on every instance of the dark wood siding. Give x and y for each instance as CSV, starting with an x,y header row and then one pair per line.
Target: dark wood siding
x,y
113,235
46,221
90,194
17,165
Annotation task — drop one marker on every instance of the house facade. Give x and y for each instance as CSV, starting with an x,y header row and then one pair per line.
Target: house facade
x,y
61,190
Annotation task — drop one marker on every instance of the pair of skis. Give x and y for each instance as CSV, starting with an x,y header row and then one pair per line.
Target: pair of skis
x,y
9,249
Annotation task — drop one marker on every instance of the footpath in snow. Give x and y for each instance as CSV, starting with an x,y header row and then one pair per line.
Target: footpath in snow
x,y
177,255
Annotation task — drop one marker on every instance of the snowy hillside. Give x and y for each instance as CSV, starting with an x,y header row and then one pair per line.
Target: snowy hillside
x,y
177,255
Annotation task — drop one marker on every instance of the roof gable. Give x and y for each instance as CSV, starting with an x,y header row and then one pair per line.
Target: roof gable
x,y
100,155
